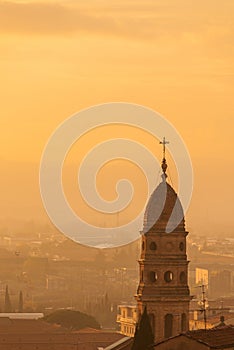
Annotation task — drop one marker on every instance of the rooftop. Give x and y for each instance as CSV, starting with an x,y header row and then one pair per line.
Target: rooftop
x,y
214,337
27,326
22,315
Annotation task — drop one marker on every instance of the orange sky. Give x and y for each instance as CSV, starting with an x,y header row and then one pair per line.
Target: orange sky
x,y
175,56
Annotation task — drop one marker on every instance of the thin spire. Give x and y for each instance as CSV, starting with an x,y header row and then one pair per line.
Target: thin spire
x,y
164,142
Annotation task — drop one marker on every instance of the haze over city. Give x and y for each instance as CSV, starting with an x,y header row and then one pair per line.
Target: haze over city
x,y
165,289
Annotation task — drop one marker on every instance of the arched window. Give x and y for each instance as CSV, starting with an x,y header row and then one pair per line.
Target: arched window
x,y
168,276
183,323
153,276
168,325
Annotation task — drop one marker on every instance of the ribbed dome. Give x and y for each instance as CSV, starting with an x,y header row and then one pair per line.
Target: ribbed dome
x,y
164,212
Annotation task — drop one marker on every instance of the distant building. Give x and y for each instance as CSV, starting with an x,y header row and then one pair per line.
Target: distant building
x,y
202,276
213,316
56,283
127,319
220,282
218,279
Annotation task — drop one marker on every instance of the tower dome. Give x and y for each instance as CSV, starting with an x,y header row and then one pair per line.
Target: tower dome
x,y
164,212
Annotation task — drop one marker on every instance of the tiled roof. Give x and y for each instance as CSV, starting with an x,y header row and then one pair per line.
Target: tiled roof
x,y
22,315
120,344
24,326
88,330
215,337
27,334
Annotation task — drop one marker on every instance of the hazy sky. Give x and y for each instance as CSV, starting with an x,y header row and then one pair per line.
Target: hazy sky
x,y
175,56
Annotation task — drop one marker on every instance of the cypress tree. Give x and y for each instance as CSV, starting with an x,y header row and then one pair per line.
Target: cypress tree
x,y
7,306
143,338
134,344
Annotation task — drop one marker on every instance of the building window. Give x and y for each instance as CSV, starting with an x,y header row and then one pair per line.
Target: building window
x,y
129,312
182,277
168,325
168,276
153,276
181,246
183,323
153,246
143,245
142,276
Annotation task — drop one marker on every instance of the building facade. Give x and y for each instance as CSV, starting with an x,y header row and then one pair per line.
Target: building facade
x,y
127,319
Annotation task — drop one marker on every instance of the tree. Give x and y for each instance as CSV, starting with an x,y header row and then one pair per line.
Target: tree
x,y
72,319
143,338
7,306
21,303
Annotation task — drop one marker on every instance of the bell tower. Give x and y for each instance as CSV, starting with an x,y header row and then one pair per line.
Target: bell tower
x,y
163,283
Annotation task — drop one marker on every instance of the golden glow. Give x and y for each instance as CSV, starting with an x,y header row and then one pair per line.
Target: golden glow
x,y
175,57
111,173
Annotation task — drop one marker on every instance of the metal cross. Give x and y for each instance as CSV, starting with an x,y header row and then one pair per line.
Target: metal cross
x,y
164,143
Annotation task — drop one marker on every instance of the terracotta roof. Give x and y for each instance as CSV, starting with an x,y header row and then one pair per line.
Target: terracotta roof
x,y
88,330
22,315
124,343
63,341
24,326
214,337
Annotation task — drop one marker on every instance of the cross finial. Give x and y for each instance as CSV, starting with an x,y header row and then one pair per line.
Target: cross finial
x,y
164,142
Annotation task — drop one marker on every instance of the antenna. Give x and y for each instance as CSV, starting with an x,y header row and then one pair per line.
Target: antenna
x,y
203,308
